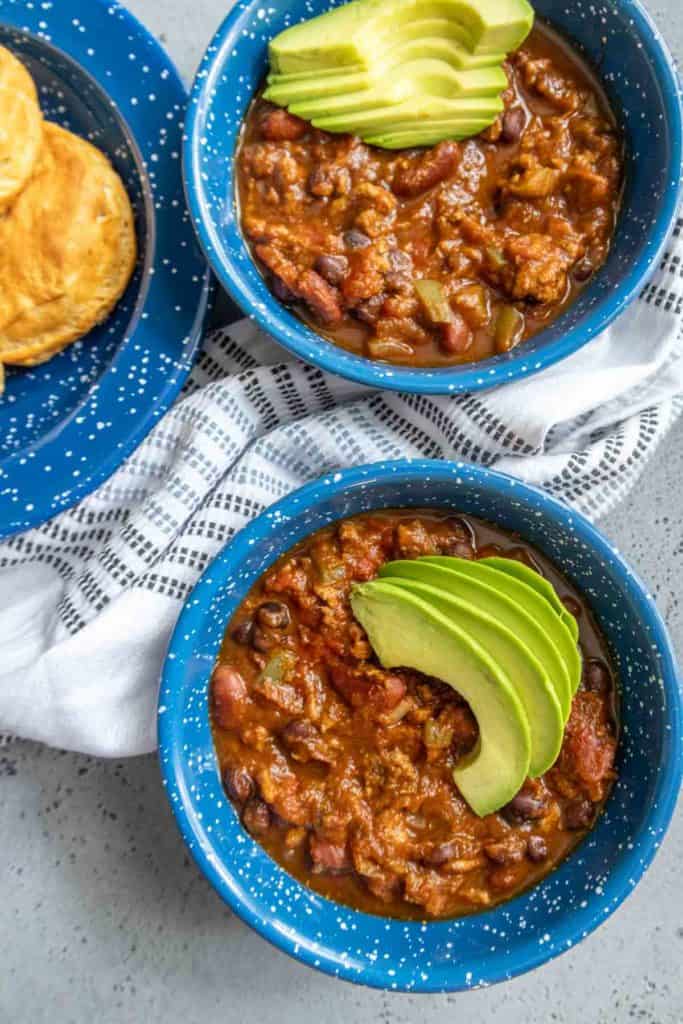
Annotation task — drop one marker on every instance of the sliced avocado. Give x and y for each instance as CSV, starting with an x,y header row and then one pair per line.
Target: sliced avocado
x,y
348,34
482,591
532,602
407,632
408,138
533,579
345,89
521,666
473,85
420,110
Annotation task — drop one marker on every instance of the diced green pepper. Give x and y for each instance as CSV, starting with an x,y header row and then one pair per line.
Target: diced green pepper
x,y
509,328
434,300
278,666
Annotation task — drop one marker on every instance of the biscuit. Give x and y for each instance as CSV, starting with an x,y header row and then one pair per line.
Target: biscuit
x,y
21,127
67,250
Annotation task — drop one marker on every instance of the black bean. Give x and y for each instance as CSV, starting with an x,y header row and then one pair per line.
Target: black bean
x,y
354,239
578,814
536,849
524,807
512,127
256,817
583,270
260,640
242,633
273,615
333,268
239,784
280,290
299,729
596,677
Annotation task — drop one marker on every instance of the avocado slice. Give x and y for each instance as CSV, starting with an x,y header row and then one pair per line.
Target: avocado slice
x,y
482,592
472,85
420,110
348,34
406,631
533,579
530,600
521,666
408,138
344,89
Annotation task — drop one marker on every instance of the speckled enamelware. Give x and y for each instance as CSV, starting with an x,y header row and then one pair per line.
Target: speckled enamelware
x,y
617,37
490,946
66,425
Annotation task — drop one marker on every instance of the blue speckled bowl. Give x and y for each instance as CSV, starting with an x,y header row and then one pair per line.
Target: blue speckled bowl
x,y
67,424
489,946
618,37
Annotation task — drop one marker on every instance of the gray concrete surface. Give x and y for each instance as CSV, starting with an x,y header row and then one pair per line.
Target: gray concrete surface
x,y
103,918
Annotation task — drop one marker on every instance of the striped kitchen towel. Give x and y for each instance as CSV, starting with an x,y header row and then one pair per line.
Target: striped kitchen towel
x,y
87,602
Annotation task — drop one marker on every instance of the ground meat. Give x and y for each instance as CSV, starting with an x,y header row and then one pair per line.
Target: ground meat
x,y
536,269
359,226
343,769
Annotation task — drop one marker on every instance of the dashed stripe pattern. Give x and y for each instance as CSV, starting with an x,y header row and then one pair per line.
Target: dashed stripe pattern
x,y
251,426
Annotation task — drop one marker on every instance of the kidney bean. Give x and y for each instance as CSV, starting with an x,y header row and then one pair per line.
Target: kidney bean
x,y
524,807
242,633
354,239
393,689
273,615
326,855
536,849
412,179
280,126
578,814
333,268
256,817
512,125
230,698
596,677
456,337
321,297
583,270
239,784
261,641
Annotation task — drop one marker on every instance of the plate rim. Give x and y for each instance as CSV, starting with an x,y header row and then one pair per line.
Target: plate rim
x,y
37,506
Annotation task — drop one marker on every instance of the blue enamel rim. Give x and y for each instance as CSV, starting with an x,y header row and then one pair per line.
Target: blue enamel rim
x,y
177,703
58,470
228,261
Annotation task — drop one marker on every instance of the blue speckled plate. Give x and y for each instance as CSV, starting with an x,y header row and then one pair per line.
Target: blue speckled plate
x,y
490,946
67,424
630,56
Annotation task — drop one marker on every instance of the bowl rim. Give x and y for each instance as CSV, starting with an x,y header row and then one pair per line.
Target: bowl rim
x,y
306,344
632,863
31,493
